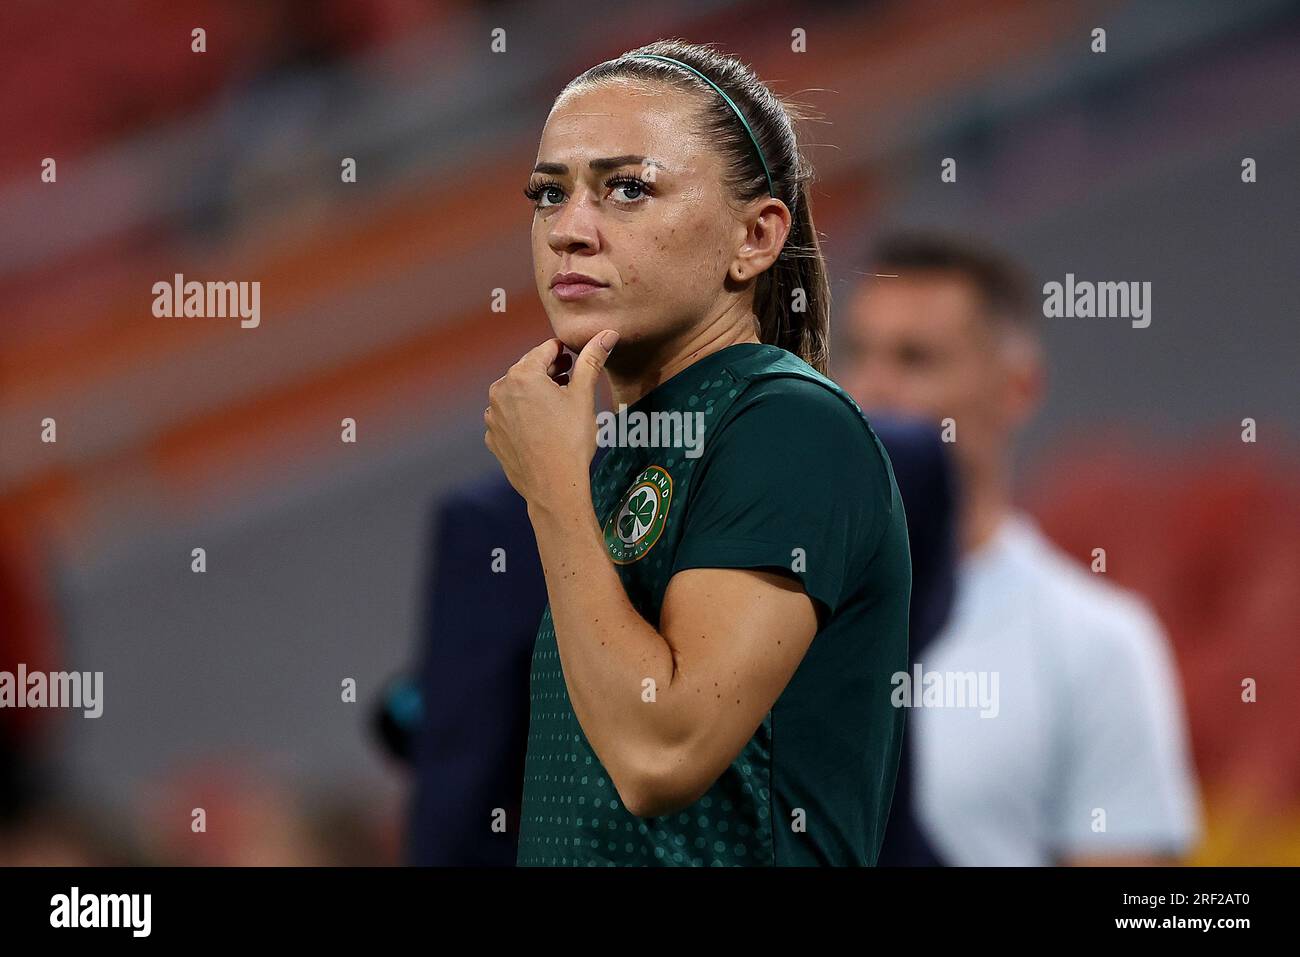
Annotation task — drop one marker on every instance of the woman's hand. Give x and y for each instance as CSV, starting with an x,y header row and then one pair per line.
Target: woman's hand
x,y
543,431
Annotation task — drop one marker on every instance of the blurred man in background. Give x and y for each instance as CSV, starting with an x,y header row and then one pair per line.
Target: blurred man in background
x,y
1084,757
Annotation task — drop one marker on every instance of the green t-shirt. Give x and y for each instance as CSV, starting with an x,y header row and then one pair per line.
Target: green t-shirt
x,y
790,478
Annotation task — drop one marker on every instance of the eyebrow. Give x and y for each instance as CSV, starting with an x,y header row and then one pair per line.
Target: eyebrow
x,y
606,162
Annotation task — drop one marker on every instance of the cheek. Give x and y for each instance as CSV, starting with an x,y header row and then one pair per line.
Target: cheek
x,y
672,268
541,249
977,395
934,390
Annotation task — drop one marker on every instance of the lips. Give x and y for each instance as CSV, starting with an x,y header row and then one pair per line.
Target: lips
x,y
574,279
568,286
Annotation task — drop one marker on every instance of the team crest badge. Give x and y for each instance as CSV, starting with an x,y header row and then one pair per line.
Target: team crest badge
x,y
640,516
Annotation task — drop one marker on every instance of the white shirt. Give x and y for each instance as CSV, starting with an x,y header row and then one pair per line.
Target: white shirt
x,y
1088,732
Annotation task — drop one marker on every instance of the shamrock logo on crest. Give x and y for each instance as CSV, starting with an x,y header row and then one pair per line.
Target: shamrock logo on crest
x,y
637,516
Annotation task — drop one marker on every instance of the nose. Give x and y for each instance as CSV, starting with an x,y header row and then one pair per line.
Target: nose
x,y
573,226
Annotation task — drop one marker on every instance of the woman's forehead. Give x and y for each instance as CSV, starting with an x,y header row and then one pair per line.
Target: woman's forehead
x,y
618,118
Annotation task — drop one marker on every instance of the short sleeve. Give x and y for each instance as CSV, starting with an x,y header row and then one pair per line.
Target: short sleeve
x,y
1127,748
794,481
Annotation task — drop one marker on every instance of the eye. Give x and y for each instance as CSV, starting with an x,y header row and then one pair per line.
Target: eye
x,y
631,184
544,190
916,356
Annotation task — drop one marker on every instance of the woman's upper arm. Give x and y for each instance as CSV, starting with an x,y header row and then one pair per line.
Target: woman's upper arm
x,y
737,635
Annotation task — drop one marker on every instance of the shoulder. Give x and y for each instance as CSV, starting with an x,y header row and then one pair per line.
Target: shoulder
x,y
794,436
796,401
780,393
800,434
1097,622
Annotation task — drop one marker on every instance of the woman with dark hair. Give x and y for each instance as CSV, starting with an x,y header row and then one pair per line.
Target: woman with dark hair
x,y
711,681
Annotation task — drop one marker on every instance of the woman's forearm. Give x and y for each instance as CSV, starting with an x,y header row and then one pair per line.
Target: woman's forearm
x,y
618,669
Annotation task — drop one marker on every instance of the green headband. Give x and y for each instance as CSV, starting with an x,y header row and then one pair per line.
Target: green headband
x,y
734,108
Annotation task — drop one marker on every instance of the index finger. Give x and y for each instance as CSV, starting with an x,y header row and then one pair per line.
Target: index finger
x,y
541,356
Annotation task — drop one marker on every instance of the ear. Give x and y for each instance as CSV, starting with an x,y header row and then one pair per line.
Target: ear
x,y
1026,379
767,225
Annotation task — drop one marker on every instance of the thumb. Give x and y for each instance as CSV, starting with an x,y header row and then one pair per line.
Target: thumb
x,y
591,360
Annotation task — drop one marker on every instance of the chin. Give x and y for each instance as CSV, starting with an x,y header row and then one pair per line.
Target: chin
x,y
575,331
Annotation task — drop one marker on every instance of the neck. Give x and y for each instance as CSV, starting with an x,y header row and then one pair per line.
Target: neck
x,y
660,363
986,503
